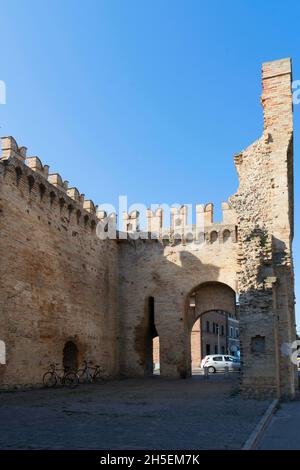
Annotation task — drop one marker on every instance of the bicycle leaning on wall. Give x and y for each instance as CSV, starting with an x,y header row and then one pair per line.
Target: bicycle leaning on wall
x,y
62,376
90,373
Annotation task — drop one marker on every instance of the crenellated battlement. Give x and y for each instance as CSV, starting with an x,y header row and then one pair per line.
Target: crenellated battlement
x,y
75,195
131,221
11,149
154,220
172,224
36,165
32,175
58,182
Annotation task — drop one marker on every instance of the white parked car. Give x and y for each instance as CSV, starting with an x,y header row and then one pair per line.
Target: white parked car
x,y
219,362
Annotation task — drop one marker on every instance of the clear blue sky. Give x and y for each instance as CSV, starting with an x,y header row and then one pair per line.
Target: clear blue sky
x,y
145,98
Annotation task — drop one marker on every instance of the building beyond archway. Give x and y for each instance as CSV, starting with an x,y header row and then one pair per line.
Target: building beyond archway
x,y
210,335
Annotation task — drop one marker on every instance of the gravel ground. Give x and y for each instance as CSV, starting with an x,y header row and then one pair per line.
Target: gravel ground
x,y
152,413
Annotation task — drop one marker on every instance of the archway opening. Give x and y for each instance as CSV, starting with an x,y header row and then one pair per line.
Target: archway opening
x,y
156,355
70,356
2,353
213,333
212,326
152,341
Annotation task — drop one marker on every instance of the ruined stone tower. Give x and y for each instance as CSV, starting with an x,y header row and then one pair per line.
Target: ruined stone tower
x,y
264,208
61,284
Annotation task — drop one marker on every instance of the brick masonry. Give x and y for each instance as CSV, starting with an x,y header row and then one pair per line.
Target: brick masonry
x,y
60,282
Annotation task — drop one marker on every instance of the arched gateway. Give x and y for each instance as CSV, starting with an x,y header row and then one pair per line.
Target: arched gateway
x,y
207,298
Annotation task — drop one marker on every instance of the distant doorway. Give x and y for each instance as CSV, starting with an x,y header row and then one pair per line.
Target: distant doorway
x,y
156,355
152,342
70,356
196,346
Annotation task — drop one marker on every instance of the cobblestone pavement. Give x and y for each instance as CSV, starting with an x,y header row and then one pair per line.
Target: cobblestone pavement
x,y
152,413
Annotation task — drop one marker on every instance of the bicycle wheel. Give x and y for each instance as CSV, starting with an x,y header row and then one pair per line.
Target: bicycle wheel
x,y
71,379
49,379
97,377
83,376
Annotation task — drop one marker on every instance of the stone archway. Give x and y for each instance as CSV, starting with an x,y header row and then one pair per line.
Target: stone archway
x,y
146,339
206,297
